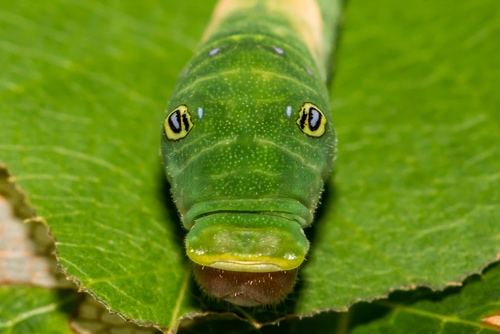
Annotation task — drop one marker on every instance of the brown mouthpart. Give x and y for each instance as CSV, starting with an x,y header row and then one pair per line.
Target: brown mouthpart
x,y
245,288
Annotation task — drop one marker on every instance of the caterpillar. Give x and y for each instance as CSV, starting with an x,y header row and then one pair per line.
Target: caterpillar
x,y
248,142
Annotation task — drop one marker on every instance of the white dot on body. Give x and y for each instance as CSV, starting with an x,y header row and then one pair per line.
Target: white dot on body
x,y
214,51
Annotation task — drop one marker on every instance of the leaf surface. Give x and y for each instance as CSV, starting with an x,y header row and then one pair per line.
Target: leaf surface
x,y
35,310
82,103
473,309
415,199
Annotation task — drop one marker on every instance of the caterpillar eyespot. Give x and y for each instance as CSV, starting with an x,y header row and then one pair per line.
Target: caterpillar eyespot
x,y
178,123
311,120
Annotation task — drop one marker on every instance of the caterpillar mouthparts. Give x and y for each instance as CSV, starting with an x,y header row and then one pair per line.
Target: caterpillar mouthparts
x,y
245,288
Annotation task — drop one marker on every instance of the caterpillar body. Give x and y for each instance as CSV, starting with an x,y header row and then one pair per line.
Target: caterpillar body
x,y
248,143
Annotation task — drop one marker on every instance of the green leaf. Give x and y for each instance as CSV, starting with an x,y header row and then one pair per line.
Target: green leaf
x,y
465,311
415,199
27,264
33,310
456,310
416,192
80,131
37,310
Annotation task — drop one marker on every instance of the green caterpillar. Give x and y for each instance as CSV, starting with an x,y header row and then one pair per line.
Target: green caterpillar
x,y
248,142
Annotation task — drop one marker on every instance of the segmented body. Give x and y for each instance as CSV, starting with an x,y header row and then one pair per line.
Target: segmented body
x,y
248,140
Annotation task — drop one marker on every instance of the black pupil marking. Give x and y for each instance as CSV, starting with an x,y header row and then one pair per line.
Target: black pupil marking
x,y
173,122
314,119
185,122
303,120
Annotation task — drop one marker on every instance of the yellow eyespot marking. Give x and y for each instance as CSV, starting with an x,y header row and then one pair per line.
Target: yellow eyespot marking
x,y
311,120
178,123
